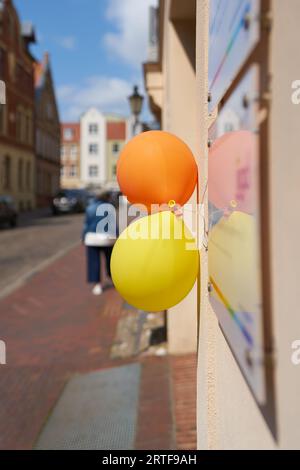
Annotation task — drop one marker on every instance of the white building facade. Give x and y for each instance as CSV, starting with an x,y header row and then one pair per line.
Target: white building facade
x,y
93,148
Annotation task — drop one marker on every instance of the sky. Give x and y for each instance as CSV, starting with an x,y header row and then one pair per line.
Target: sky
x,y
96,50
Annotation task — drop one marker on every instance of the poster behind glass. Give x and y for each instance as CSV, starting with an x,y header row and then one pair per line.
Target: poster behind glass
x,y
234,229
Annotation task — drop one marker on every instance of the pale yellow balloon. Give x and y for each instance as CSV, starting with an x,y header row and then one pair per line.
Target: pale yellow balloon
x,y
155,262
233,254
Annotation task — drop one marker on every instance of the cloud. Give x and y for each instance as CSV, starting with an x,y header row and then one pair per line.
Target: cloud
x,y
67,42
108,94
130,40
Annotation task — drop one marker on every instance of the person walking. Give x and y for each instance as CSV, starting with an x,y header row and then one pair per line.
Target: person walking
x,y
99,235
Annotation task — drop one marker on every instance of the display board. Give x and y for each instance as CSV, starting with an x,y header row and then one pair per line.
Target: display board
x,y
235,264
233,33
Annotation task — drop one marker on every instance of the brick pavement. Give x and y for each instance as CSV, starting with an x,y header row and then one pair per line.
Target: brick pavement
x,y
183,373
167,408
155,428
53,328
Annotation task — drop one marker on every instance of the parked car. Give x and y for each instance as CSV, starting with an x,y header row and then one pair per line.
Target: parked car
x,y
70,201
8,212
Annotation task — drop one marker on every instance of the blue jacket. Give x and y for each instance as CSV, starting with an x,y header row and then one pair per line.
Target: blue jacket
x,y
100,217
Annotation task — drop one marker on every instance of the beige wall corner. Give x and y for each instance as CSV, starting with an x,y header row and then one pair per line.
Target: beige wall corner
x,y
182,321
154,86
179,117
285,221
228,416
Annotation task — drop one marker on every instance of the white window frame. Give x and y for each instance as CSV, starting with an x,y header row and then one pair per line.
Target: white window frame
x,y
94,146
73,152
73,171
93,128
93,174
118,145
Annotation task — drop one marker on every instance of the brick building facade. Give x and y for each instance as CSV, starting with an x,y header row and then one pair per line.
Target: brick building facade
x,y
70,155
47,134
115,140
17,158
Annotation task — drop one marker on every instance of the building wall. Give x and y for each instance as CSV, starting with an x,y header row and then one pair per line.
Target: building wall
x,y
228,416
21,184
112,158
17,115
116,128
178,117
70,156
285,227
88,160
47,136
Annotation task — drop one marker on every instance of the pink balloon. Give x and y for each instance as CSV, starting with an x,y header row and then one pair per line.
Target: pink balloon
x,y
233,172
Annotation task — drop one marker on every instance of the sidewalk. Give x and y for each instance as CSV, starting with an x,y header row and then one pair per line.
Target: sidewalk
x,y
54,329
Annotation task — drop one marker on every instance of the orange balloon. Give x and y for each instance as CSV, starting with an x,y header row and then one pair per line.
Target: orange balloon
x,y
156,167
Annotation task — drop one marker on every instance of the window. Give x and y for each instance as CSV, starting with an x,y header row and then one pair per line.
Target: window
x,y
28,175
28,131
93,129
73,152
73,171
38,140
68,133
114,170
7,173
39,182
20,174
93,170
62,171
63,151
93,149
116,147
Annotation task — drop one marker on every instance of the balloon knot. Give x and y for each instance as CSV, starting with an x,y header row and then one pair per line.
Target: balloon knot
x,y
171,203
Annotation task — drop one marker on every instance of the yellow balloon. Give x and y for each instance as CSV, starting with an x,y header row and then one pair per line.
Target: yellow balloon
x,y
155,262
233,257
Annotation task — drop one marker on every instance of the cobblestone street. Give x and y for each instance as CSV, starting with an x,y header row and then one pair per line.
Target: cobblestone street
x,y
38,239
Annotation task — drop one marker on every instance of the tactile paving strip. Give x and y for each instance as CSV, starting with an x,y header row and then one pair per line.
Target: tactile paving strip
x,y
95,411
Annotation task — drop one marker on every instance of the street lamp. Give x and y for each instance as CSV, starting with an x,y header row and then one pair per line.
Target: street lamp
x,y
136,103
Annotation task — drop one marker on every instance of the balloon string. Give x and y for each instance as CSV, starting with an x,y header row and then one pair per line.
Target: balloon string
x,y
179,212
172,204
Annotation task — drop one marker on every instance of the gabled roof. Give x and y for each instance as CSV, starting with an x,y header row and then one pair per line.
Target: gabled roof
x,y
116,130
75,126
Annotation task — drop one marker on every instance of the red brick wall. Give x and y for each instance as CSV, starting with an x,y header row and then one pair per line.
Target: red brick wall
x,y
16,69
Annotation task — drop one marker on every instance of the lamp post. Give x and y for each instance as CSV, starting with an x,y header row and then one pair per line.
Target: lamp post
x,y
136,103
